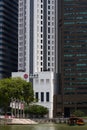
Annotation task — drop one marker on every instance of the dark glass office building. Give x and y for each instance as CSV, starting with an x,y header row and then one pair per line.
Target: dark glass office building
x,y
8,37
72,26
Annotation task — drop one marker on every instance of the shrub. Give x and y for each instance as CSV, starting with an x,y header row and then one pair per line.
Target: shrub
x,y
78,113
36,110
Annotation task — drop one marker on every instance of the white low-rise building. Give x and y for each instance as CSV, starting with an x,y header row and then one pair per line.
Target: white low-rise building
x,y
43,86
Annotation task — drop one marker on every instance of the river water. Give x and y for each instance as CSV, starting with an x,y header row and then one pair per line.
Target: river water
x,y
42,127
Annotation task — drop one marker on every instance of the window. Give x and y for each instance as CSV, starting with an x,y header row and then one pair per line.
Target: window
x,y
48,17
47,96
41,17
42,96
41,35
41,52
52,23
48,36
52,2
48,58
36,95
48,69
41,58
48,1
48,7
48,23
52,7
48,29
41,22
41,11
48,42
48,52
41,29
41,47
41,41
41,6
52,47
48,64
48,12
48,47
41,63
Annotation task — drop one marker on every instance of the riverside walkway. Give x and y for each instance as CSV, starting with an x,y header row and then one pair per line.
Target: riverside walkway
x,y
16,121
20,121
31,121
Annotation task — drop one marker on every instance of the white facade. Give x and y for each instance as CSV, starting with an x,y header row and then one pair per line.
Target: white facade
x,y
44,35
43,85
22,75
44,90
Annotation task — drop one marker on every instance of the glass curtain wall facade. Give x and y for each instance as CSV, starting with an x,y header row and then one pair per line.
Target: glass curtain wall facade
x,y
73,40
75,47
8,37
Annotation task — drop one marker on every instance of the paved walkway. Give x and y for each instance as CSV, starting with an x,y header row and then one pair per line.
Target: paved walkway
x,y
16,121
22,121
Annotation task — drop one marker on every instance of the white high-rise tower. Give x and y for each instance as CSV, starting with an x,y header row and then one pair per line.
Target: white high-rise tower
x,y
37,45
37,35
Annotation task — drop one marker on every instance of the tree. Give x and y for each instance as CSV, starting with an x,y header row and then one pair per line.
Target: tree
x,y
15,88
28,93
5,93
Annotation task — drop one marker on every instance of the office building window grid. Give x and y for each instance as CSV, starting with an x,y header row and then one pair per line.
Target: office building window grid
x,y
22,36
51,34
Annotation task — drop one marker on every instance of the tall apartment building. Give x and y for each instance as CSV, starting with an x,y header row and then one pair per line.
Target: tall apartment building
x,y
37,36
8,37
38,47
73,55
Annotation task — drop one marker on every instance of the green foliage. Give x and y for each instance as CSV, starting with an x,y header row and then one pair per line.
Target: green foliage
x,y
37,110
28,93
15,88
78,113
26,110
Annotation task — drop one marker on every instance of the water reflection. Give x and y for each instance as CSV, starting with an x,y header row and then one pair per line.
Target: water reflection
x,y
45,127
29,127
